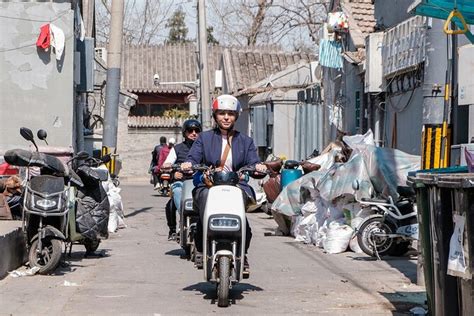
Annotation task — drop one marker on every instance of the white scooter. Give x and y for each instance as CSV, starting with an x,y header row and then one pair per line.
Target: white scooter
x,y
224,233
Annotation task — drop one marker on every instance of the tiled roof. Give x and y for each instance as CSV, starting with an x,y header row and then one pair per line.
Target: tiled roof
x,y
361,19
245,66
172,62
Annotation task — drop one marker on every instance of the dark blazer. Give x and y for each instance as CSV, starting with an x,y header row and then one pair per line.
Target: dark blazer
x,y
207,149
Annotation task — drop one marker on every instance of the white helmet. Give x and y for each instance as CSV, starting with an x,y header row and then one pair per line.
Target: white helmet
x,y
226,102
171,141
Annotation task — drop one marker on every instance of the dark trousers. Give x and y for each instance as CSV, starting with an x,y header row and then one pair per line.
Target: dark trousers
x,y
199,204
170,209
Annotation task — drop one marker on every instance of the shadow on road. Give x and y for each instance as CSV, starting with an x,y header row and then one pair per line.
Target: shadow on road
x,y
72,262
176,252
138,211
209,291
402,264
402,302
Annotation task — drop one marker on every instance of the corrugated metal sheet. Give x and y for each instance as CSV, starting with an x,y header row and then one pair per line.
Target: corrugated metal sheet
x,y
403,46
308,129
259,125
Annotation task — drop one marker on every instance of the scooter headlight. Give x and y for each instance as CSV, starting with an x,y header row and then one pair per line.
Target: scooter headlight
x,y
45,203
224,223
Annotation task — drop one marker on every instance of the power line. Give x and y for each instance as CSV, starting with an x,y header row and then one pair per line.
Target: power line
x,y
36,20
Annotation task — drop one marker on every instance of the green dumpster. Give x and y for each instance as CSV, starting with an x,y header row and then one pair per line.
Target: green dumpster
x,y
435,230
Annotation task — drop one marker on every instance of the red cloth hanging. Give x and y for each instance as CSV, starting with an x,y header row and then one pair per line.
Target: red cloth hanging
x,y
44,39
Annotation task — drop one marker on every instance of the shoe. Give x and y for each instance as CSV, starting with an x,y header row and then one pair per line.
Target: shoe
x,y
172,235
246,272
157,187
198,260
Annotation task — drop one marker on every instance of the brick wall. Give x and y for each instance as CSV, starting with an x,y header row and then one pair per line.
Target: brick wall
x,y
135,145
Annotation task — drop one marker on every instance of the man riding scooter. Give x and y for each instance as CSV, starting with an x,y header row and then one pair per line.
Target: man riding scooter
x,y
178,154
226,149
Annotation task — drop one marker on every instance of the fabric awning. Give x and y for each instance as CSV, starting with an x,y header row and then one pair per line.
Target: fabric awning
x,y
441,9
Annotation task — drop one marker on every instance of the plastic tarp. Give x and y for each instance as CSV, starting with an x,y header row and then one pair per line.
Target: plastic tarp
x,y
378,170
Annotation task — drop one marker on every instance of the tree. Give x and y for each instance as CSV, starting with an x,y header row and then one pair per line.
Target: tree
x,y
143,21
210,37
178,30
252,22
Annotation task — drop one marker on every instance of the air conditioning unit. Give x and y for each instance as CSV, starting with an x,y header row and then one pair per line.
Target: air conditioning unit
x,y
466,81
101,52
374,81
316,72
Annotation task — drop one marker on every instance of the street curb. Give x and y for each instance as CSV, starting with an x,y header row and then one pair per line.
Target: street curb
x,y
12,250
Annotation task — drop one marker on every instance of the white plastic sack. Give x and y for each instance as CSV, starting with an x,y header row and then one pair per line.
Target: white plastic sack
x,y
306,228
354,244
337,238
457,256
116,218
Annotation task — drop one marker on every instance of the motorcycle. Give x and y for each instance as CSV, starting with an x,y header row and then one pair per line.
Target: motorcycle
x,y
165,180
50,202
224,231
391,227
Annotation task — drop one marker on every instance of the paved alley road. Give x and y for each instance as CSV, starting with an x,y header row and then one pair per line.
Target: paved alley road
x,y
142,273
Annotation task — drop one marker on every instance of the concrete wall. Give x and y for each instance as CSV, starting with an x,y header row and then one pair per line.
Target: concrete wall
x,y
392,12
426,107
135,145
353,83
36,90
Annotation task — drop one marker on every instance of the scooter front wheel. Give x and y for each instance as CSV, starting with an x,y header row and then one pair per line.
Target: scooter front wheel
x,y
370,240
47,258
224,282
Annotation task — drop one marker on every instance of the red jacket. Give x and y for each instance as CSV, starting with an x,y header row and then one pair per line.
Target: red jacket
x,y
162,157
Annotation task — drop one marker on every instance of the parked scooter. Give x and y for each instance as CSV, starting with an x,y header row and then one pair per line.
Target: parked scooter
x,y
224,231
391,227
49,207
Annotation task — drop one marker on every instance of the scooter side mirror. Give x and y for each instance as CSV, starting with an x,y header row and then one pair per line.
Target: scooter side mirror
x,y
42,135
27,134
355,185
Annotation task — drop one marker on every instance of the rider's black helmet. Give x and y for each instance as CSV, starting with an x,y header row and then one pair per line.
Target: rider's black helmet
x,y
191,124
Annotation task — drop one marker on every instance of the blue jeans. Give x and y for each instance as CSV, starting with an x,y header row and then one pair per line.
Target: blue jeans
x,y
177,188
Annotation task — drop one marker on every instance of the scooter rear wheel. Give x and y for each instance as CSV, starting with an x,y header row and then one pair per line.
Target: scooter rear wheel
x,y
372,244
49,256
224,282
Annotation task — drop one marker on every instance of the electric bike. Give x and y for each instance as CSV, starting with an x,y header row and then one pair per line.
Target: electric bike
x,y
391,227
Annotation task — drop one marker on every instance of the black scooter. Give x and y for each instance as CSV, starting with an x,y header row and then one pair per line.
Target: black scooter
x,y
51,200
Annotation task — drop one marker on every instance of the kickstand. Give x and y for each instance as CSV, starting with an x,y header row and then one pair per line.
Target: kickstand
x,y
70,249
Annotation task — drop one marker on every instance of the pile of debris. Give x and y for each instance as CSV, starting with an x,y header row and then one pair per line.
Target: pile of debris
x,y
320,208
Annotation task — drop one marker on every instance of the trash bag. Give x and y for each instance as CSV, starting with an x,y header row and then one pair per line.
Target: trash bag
x,y
92,212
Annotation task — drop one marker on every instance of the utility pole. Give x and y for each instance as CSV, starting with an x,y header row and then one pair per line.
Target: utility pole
x,y
203,69
114,56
